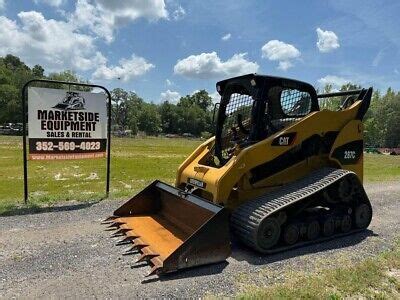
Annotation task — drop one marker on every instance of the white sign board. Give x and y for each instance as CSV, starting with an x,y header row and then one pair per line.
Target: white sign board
x,y
66,124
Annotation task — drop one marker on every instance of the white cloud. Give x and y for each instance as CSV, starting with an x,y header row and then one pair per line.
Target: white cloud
x,y
168,82
335,81
209,65
2,4
51,43
102,17
126,70
282,52
226,37
284,65
327,40
170,96
178,13
55,3
59,45
89,16
133,9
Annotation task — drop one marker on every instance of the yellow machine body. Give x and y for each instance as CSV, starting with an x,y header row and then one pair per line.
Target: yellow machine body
x,y
236,180
229,185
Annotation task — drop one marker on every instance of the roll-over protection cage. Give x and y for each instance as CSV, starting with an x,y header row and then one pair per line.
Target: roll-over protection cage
x,y
250,103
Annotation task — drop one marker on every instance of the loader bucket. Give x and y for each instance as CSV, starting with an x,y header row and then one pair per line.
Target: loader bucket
x,y
172,229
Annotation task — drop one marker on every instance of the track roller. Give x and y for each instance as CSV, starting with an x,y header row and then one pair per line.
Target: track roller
x,y
313,230
269,233
328,226
346,223
291,234
362,216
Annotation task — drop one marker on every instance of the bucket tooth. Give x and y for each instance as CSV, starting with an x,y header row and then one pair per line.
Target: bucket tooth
x,y
113,225
125,241
120,232
130,251
125,226
147,254
132,234
116,235
108,220
116,224
118,221
146,257
154,271
139,244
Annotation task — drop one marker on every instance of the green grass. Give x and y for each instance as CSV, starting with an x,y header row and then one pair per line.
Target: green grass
x,y
135,163
377,277
381,167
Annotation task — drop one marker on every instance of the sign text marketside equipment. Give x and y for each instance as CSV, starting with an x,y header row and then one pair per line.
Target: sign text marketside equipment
x,y
65,124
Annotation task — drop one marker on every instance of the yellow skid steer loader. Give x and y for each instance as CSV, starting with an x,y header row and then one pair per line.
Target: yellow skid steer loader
x,y
279,173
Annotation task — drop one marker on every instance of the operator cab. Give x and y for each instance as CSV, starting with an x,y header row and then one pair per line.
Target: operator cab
x,y
253,107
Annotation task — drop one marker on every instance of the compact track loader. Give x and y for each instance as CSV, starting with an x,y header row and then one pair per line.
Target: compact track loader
x,y
279,173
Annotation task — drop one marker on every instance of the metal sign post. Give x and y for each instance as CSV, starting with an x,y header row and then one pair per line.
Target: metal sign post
x,y
24,121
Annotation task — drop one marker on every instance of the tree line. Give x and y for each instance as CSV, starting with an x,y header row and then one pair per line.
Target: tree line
x,y
191,115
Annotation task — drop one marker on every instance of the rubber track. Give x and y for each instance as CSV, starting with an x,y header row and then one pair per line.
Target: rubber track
x,y
248,216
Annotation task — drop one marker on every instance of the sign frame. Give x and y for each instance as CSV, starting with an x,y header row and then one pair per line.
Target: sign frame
x,y
24,122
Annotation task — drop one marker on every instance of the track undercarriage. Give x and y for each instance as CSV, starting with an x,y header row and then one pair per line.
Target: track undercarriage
x,y
326,204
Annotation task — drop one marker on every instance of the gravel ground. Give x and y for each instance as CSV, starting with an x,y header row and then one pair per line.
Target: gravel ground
x,y
66,252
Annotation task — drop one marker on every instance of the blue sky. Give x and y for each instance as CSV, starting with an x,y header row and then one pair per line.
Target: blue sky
x,y
163,49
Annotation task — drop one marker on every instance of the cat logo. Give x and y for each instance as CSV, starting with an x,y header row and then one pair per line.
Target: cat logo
x,y
284,140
